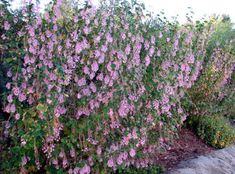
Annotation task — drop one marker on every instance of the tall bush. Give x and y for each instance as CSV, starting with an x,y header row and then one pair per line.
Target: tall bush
x,y
100,90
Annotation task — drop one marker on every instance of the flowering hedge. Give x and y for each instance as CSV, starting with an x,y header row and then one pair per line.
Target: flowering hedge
x,y
99,90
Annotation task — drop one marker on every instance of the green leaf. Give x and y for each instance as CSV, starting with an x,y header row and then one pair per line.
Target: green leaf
x,y
41,107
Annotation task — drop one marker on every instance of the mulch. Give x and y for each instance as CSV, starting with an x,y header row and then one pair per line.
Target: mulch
x,y
188,146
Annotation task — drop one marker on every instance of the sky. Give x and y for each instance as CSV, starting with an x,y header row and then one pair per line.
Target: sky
x,y
201,8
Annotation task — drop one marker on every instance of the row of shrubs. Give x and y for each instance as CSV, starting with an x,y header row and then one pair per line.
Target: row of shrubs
x,y
210,100
102,89
213,129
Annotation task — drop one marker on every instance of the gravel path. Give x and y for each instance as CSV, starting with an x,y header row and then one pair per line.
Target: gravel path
x,y
218,162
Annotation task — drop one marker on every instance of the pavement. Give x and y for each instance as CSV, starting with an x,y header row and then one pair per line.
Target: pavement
x,y
217,162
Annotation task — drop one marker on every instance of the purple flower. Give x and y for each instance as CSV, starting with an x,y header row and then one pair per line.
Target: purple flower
x,y
106,79
124,108
86,30
119,160
152,39
101,58
16,91
10,98
146,45
8,85
132,153
22,97
12,108
85,170
147,61
151,51
79,96
110,163
104,48
109,37
94,66
59,111
92,87
86,92
82,82
72,152
9,74
6,25
86,70
100,77
190,59
128,49
99,150
156,104
24,160
17,116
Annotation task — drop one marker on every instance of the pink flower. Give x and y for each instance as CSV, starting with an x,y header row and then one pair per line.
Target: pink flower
x,y
147,61
128,49
9,74
16,91
72,152
152,39
146,45
185,67
24,160
124,108
23,142
191,59
101,58
109,38
8,85
100,77
22,97
132,153
9,98
59,111
104,48
86,30
12,108
99,150
94,66
65,162
79,96
119,160
86,92
82,82
111,163
86,70
85,170
106,79
92,87
17,116
158,53
6,25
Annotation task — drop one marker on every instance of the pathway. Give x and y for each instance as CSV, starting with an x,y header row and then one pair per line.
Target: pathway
x,y
217,162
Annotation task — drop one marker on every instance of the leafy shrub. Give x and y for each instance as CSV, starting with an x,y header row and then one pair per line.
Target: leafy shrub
x,y
214,130
222,35
146,170
11,47
99,90
213,93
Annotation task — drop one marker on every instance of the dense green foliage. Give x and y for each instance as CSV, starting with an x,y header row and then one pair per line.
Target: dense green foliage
x,y
214,130
148,170
101,90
